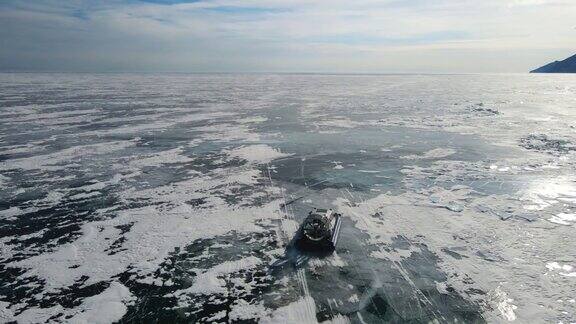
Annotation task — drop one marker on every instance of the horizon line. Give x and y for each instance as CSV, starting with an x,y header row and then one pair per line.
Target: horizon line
x,y
256,72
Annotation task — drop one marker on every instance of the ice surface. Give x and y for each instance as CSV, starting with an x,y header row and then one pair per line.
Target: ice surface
x,y
160,197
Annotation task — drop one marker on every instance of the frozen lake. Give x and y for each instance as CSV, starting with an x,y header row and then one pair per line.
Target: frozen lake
x,y
157,197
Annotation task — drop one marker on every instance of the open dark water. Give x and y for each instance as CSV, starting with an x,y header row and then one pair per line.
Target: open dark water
x,y
157,197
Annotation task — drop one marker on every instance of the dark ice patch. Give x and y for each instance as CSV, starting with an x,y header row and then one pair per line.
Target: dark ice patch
x,y
481,109
545,143
453,254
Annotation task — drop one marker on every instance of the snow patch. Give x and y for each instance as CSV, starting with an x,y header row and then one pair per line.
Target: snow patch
x,y
259,154
6,314
52,161
338,319
432,154
337,261
301,311
563,219
161,158
11,212
354,299
228,133
84,195
253,120
242,310
107,307
547,192
154,234
503,304
566,268
3,181
337,123
210,281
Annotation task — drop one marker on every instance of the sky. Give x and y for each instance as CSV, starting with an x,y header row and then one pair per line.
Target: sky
x,y
323,36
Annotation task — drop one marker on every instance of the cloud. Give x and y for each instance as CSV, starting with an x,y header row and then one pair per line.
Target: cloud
x,y
282,35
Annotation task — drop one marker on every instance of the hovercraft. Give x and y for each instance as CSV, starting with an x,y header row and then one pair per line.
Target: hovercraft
x,y
319,231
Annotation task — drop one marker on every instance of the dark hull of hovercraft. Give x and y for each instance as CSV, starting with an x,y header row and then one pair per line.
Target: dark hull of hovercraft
x,y
327,244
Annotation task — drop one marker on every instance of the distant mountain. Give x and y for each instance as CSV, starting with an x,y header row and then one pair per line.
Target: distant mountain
x,y
566,66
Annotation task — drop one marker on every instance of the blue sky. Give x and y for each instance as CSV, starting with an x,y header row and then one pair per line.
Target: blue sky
x,y
364,36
